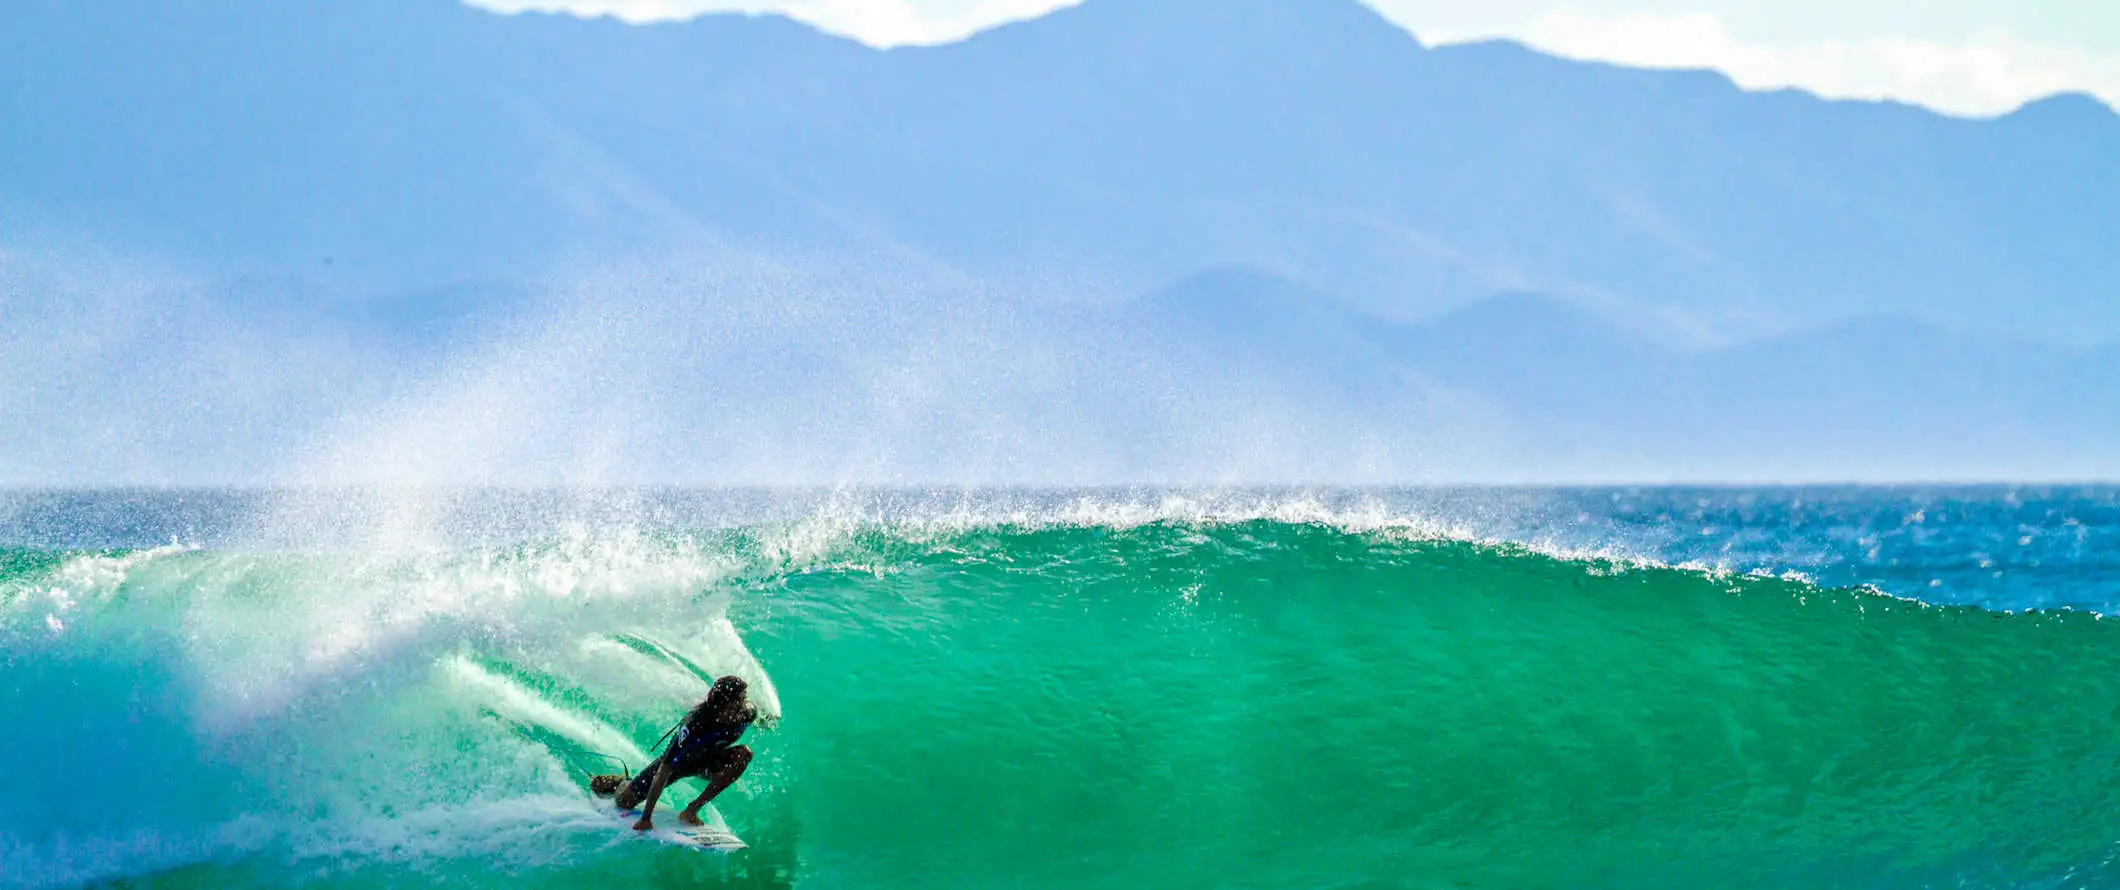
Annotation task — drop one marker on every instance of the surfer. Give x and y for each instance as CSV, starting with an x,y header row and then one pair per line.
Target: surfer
x,y
704,745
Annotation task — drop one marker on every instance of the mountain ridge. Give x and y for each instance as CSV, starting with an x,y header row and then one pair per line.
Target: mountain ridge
x,y
1151,242
1408,178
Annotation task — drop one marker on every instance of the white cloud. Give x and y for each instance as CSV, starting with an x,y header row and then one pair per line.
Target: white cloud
x,y
1991,73
875,22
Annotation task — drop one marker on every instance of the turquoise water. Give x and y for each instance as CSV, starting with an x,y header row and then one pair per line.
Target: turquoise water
x,y
1075,689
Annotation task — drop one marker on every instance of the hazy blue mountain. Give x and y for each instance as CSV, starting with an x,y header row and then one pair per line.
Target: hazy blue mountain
x,y
401,141
1868,398
1149,233
1127,143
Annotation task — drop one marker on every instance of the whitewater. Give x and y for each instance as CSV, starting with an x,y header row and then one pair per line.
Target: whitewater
x,y
1497,688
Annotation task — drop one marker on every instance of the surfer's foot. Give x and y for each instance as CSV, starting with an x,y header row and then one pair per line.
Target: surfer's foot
x,y
691,818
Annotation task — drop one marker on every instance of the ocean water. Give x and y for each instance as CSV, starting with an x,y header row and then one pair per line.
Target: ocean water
x,y
1319,689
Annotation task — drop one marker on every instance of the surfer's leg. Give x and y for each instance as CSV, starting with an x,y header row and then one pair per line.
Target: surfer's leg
x,y
636,791
726,773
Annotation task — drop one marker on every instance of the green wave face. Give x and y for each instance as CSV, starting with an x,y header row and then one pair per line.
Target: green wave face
x,y
1272,705
1174,705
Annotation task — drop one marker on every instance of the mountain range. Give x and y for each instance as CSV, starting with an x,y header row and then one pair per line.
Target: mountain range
x,y
1173,240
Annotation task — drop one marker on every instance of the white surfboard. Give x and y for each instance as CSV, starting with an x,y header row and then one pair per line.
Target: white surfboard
x,y
670,830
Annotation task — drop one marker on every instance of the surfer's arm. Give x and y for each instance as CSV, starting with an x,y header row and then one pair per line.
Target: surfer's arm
x,y
655,790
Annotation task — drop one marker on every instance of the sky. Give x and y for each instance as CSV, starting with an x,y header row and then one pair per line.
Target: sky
x,y
1964,57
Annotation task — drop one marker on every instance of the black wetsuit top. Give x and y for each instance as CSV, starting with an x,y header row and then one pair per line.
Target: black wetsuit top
x,y
695,752
706,745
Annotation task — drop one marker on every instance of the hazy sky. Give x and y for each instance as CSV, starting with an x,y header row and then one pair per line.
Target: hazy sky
x,y
1961,56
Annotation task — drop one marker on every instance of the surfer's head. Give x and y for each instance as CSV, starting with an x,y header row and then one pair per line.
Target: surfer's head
x,y
725,700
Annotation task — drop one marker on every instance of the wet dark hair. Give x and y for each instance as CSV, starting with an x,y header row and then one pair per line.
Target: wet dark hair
x,y
728,692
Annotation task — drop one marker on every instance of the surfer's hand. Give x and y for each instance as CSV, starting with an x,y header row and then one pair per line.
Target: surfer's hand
x,y
644,825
